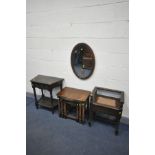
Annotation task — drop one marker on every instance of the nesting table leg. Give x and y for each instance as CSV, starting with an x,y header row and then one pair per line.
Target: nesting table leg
x,y
77,112
61,107
65,110
83,112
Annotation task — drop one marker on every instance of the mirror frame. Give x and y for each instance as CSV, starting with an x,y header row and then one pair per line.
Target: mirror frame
x,y
72,61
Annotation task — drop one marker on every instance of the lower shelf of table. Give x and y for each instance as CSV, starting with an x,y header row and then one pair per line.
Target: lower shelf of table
x,y
46,102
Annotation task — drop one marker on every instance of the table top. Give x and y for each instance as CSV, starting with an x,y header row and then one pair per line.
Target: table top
x,y
49,80
74,94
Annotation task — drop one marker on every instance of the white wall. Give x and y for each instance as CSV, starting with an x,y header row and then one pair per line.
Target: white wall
x,y
54,27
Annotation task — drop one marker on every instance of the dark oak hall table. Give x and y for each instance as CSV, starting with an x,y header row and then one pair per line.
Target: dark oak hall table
x,y
76,97
46,83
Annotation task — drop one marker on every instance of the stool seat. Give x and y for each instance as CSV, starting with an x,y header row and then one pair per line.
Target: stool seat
x,y
106,102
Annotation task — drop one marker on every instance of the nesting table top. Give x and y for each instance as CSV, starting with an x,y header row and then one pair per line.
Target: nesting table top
x,y
74,94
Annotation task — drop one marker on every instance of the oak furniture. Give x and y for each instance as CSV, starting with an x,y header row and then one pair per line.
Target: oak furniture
x,y
108,102
46,83
76,98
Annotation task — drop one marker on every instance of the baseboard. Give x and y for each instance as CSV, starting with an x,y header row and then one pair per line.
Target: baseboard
x,y
124,120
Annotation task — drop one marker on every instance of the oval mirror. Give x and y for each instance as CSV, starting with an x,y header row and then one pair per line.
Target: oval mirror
x,y
82,61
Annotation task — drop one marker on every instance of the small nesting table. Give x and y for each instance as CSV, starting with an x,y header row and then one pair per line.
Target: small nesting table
x,y
46,83
75,97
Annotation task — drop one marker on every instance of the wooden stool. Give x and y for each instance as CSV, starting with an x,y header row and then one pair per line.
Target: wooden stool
x,y
109,102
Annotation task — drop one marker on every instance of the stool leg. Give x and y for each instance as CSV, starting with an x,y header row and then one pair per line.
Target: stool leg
x,y
90,117
118,117
117,128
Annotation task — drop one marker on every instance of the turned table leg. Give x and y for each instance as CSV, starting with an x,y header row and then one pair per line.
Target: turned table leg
x,y
61,86
42,92
52,101
59,107
35,97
